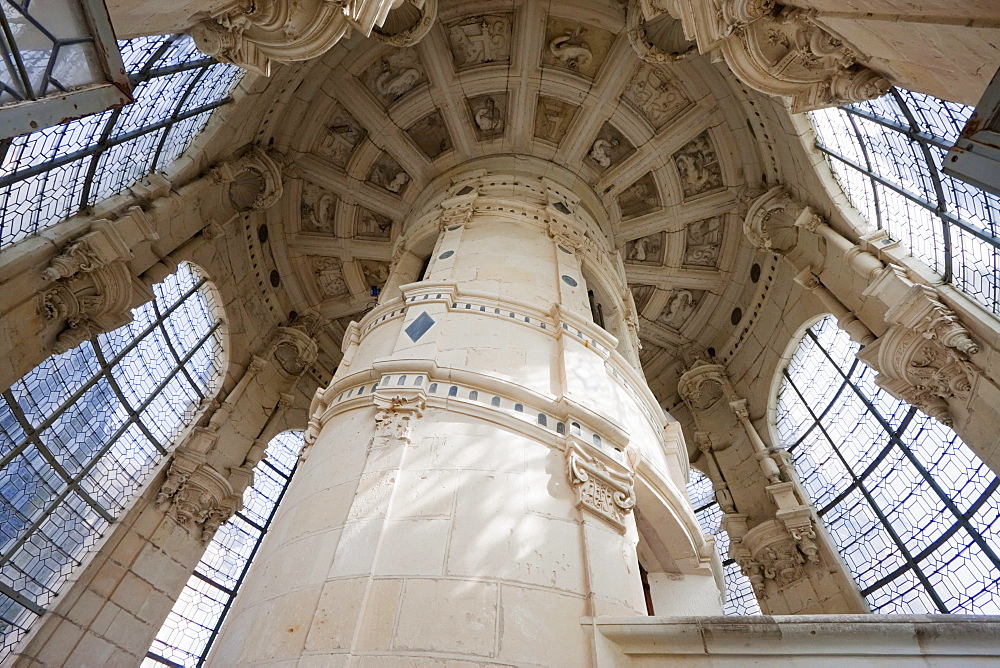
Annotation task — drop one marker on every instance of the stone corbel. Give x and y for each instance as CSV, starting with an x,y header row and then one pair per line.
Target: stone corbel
x,y
195,495
779,50
672,44
93,290
924,358
293,349
253,181
603,489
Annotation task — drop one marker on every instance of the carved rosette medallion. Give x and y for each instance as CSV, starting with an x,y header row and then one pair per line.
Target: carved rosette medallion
x,y
605,492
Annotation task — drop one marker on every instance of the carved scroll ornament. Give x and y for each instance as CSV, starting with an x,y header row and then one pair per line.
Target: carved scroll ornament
x,y
253,181
924,358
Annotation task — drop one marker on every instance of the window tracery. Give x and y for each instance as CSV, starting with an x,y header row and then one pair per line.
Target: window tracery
x,y
186,636
80,433
56,172
887,155
915,513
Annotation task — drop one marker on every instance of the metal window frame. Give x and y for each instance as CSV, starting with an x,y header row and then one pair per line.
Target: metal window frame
x,y
37,112
895,442
83,197
924,140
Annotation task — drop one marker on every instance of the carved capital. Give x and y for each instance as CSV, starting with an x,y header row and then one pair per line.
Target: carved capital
x,y
924,357
416,18
253,33
294,350
93,290
703,384
606,492
198,497
773,219
779,50
776,551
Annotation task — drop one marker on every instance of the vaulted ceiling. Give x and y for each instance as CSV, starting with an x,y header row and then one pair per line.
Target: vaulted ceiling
x,y
673,145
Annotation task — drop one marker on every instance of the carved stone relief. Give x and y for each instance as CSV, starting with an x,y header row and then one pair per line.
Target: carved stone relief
x,y
679,308
655,95
387,173
489,115
376,273
253,181
641,295
702,242
778,50
607,493
395,418
329,275
608,149
480,40
371,225
319,208
394,75
407,23
646,250
553,118
640,198
575,47
342,136
430,134
698,166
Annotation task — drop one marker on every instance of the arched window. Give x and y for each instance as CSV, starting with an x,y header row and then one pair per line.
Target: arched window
x,y
186,636
740,599
887,155
912,509
80,433
49,175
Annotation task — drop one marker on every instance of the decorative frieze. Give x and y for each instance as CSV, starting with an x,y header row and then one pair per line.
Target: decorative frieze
x,y
600,489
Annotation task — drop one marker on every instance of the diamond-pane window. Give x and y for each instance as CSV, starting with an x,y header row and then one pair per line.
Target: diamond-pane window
x,y
80,434
911,507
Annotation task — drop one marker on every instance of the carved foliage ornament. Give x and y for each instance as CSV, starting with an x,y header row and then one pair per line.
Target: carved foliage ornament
x,y
199,498
599,489
395,417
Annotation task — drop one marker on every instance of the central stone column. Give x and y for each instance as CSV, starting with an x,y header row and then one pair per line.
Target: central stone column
x,y
473,472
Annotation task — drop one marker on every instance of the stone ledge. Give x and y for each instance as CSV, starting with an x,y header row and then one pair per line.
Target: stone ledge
x,y
805,637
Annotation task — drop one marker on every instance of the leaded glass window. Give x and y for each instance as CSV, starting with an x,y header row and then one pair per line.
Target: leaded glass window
x,y
80,433
49,175
887,155
915,513
740,599
189,631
